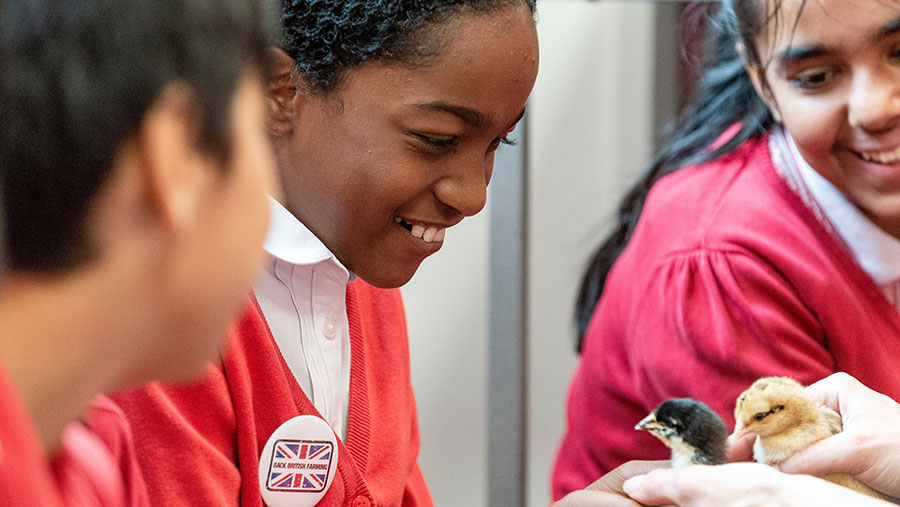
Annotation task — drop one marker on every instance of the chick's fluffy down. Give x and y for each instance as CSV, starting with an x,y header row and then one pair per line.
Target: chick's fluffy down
x,y
785,420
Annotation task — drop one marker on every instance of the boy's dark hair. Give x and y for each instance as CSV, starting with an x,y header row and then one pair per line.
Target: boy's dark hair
x,y
724,97
328,37
78,77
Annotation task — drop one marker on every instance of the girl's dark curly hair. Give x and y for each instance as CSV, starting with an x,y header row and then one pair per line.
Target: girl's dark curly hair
x,y
328,37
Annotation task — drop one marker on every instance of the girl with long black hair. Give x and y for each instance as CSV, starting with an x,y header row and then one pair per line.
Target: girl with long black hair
x,y
763,240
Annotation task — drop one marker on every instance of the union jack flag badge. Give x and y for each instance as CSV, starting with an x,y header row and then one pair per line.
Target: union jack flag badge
x,y
300,466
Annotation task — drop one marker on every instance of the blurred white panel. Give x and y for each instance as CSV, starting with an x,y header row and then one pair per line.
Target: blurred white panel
x,y
446,304
591,128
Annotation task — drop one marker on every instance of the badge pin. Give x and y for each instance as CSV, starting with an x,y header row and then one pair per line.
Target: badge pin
x,y
298,463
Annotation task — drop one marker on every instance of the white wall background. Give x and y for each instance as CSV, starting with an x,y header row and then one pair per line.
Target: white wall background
x,y
590,127
446,306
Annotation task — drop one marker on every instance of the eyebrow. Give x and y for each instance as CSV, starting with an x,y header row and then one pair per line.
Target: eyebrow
x,y
889,28
466,114
795,54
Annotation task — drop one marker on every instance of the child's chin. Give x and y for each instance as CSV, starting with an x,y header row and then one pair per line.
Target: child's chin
x,y
390,279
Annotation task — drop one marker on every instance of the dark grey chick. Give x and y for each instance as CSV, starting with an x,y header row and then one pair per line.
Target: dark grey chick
x,y
691,429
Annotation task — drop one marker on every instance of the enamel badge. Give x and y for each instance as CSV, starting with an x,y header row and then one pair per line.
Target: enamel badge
x,y
298,462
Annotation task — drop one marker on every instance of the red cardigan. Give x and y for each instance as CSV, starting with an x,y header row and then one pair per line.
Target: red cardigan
x,y
83,473
729,277
25,475
200,444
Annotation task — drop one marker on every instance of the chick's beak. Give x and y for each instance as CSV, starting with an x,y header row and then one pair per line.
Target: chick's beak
x,y
648,423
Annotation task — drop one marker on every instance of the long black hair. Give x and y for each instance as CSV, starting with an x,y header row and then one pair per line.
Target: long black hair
x,y
328,37
724,97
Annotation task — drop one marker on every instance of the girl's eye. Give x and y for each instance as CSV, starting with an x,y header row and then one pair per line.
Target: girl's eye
x,y
436,143
895,54
813,80
500,140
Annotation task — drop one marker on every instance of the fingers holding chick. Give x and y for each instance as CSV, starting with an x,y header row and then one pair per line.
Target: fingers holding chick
x,y
869,446
786,420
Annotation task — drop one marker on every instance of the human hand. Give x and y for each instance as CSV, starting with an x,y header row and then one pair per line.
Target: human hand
x,y
607,491
869,446
740,485
739,446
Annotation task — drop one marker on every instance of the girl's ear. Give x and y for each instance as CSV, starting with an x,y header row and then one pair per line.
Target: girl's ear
x,y
282,85
758,78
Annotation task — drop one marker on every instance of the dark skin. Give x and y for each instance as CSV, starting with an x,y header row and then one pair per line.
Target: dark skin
x,y
607,491
395,147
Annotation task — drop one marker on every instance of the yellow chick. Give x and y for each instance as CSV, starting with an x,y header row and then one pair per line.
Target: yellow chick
x,y
785,420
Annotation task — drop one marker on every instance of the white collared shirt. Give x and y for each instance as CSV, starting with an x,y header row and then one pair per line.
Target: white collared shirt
x,y
876,251
302,294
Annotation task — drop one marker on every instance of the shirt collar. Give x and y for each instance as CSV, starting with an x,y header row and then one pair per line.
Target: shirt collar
x,y
289,240
877,252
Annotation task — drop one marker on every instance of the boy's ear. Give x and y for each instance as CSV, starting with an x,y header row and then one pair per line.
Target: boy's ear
x,y
757,77
282,84
176,174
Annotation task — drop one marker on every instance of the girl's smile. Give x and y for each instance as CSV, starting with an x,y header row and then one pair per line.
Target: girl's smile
x,y
379,168
832,78
429,233
881,157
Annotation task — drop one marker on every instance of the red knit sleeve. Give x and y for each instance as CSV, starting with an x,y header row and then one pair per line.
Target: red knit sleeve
x,y
109,424
415,493
25,474
393,478
183,437
704,324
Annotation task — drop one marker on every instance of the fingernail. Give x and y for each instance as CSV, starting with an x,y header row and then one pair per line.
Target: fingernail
x,y
632,484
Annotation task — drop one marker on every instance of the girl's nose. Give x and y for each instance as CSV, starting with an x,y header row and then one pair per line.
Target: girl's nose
x,y
464,188
874,103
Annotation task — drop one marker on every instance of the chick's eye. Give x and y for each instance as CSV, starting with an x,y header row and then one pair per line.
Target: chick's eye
x,y
760,416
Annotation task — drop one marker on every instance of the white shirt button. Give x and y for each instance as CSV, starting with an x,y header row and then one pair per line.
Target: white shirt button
x,y
330,327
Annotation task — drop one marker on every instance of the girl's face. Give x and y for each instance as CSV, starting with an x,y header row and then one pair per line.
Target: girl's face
x,y
834,77
379,168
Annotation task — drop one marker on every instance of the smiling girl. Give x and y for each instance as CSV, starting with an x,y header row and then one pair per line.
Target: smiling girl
x,y
767,242
384,116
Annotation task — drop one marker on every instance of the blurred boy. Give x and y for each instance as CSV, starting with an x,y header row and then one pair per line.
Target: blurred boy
x,y
134,167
